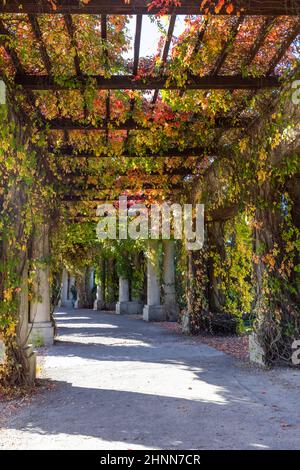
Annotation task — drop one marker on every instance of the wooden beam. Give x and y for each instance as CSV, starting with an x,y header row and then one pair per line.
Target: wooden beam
x,y
131,124
71,32
120,7
136,58
39,37
145,185
284,47
19,69
175,172
69,152
128,82
260,38
104,39
227,46
137,44
199,41
165,52
96,200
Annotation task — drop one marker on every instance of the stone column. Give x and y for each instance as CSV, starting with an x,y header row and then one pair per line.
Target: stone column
x,y
99,302
70,294
170,304
80,291
77,303
64,288
137,304
24,307
40,327
110,303
23,326
153,311
89,285
122,306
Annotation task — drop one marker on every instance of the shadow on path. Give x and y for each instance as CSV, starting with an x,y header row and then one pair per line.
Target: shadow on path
x,y
123,383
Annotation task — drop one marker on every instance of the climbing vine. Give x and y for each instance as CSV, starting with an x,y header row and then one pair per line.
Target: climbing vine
x,y
250,261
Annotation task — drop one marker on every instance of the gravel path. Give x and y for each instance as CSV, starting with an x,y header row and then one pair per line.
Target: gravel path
x,y
121,383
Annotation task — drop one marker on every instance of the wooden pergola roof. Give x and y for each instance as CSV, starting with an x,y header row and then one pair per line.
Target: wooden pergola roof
x,y
134,7
39,85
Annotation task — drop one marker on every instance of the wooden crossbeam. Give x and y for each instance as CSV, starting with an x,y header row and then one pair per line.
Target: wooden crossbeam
x,y
128,82
265,29
137,44
165,52
104,38
39,37
176,172
10,51
96,200
284,47
131,124
227,46
200,36
267,25
105,53
69,152
120,7
136,57
71,32
145,185
199,41
19,69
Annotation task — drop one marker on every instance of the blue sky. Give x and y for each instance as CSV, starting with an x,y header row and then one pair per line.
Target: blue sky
x,y
150,34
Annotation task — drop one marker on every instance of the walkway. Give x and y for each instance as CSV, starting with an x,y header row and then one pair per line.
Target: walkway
x,y
124,384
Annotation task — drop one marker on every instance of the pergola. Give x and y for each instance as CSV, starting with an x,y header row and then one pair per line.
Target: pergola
x,y
40,80
93,119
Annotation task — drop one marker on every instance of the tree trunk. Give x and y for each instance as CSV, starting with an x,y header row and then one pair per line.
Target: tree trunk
x,y
196,294
217,257
14,262
277,293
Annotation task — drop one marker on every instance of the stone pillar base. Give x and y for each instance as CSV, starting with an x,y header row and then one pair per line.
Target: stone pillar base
x,y
172,312
41,334
98,305
257,354
154,313
67,304
31,356
186,323
129,308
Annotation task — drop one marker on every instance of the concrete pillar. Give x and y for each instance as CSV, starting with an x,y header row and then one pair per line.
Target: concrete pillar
x,y
92,278
171,306
40,327
126,306
122,304
23,327
110,302
137,304
89,286
24,307
153,311
99,302
77,302
123,290
64,289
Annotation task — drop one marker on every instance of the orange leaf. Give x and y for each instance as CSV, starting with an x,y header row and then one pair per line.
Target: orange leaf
x,y
229,8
